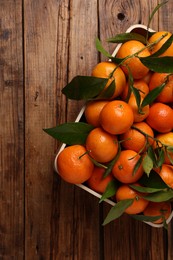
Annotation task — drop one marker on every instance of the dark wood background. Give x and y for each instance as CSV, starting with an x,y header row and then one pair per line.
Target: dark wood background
x,y
43,45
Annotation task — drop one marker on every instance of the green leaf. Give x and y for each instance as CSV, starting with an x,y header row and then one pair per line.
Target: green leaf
x,y
101,49
153,181
152,155
84,87
164,195
161,157
137,165
70,133
124,37
170,158
152,95
146,218
169,148
158,64
117,210
147,164
144,189
108,92
110,190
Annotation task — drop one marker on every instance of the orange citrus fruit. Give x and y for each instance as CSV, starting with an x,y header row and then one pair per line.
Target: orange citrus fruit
x,y
116,117
74,165
135,140
156,36
158,209
123,169
92,111
139,84
138,70
166,95
166,173
97,181
138,115
125,192
101,145
165,139
160,117
104,70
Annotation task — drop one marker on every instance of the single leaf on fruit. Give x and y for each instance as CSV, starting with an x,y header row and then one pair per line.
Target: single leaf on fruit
x,y
137,165
146,218
110,190
144,189
160,157
108,92
164,195
152,95
152,155
153,181
124,37
158,64
147,164
84,87
70,133
117,210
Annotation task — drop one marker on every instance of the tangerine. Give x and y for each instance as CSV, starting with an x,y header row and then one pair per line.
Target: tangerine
x,y
104,69
125,192
139,84
165,139
97,181
155,37
124,168
101,145
74,165
139,114
166,95
160,117
116,117
166,173
135,140
134,49
92,111
162,209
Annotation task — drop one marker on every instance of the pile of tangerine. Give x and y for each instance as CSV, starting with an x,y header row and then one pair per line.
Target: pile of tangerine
x,y
118,122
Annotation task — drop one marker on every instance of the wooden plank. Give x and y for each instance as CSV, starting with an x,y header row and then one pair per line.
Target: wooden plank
x,y
139,239
40,36
82,58
11,132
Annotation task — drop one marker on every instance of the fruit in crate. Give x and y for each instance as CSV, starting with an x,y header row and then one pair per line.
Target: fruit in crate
x,y
121,146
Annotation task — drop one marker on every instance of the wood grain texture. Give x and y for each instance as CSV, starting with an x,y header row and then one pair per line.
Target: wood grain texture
x,y
11,132
40,36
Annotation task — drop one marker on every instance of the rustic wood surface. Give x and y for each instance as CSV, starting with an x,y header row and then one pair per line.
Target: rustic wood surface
x,y
43,45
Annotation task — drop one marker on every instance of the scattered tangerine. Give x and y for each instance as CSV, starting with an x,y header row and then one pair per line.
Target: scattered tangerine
x,y
101,145
116,117
123,169
139,115
74,165
129,48
135,140
92,111
160,117
158,209
125,192
97,181
104,69
166,173
166,95
155,37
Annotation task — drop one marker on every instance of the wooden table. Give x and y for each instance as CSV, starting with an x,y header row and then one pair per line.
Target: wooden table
x,y
43,45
